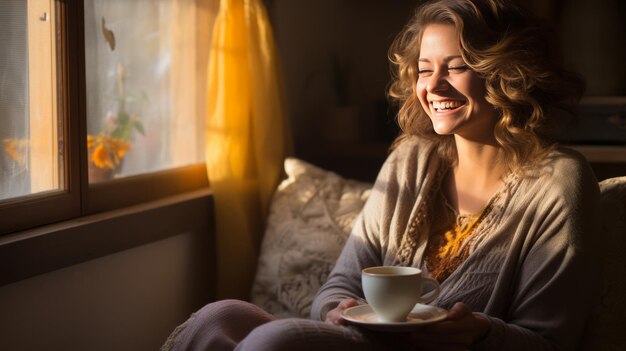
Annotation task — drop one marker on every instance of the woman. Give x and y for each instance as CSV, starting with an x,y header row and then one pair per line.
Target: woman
x,y
473,192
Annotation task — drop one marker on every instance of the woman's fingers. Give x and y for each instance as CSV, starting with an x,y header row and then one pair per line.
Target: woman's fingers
x,y
459,320
334,316
458,311
458,332
461,328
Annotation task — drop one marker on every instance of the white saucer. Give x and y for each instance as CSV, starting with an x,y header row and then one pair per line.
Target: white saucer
x,y
421,315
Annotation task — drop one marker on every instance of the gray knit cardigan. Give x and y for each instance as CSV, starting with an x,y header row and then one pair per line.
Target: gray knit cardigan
x,y
533,268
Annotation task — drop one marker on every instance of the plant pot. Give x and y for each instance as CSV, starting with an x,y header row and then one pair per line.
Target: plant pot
x,y
97,174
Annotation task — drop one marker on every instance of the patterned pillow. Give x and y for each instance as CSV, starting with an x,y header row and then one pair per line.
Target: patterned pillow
x,y
310,218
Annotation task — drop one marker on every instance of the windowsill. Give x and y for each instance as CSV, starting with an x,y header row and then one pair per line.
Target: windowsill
x,y
47,248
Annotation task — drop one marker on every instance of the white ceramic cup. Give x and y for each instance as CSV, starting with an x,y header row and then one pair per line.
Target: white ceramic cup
x,y
393,291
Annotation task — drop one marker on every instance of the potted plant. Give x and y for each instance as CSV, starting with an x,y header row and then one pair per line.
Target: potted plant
x,y
107,149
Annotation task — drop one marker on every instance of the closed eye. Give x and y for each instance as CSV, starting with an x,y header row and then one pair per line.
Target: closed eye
x,y
462,68
458,68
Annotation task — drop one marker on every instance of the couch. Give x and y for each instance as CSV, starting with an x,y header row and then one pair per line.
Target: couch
x,y
310,218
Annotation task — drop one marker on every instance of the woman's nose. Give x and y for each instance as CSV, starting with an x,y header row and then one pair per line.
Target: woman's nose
x,y
437,82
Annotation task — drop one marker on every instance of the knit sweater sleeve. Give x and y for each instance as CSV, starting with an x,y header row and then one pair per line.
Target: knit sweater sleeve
x,y
365,246
558,280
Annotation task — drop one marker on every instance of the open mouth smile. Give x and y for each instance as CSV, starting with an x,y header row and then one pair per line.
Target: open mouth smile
x,y
447,105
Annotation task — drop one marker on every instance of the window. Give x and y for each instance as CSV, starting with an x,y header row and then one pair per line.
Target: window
x,y
142,76
102,105
32,157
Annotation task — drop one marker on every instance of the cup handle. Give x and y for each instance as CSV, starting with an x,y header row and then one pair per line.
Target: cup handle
x,y
432,295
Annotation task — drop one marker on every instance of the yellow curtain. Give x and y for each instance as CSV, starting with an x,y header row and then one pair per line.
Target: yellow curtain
x,y
246,137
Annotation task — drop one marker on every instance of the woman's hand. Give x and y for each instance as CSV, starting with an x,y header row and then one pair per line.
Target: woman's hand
x,y
459,331
334,316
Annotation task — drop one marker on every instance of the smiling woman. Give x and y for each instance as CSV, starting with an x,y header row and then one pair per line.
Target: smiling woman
x,y
452,95
518,77
473,193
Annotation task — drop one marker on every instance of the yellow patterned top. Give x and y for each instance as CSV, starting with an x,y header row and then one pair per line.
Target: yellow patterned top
x,y
449,247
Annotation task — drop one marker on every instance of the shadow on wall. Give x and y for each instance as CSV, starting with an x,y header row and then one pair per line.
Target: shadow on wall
x,y
335,66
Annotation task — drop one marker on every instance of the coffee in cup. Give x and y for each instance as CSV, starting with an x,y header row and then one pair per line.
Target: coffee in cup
x,y
393,291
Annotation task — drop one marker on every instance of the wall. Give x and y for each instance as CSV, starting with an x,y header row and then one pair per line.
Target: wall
x,y
334,55
130,300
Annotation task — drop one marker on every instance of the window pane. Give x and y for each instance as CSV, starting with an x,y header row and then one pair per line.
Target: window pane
x,y
145,86
30,149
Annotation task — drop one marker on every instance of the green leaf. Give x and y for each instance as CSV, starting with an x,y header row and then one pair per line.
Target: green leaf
x,y
123,118
137,124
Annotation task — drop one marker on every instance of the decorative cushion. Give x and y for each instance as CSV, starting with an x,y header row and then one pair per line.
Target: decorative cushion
x,y
606,331
311,215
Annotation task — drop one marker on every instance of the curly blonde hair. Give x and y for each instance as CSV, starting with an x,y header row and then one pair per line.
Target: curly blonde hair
x,y
503,45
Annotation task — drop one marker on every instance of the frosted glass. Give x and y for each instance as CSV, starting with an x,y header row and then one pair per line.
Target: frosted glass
x,y
29,148
144,103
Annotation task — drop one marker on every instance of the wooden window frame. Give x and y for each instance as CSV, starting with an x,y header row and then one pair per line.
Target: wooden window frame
x,y
54,229
54,206
43,127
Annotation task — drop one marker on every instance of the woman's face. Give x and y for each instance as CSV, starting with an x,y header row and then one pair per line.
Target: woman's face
x,y
451,93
